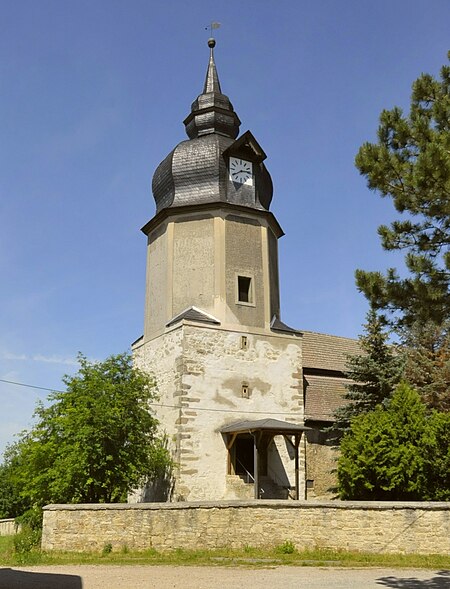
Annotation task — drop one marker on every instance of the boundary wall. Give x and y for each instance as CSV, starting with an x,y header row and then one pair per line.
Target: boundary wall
x,y
8,527
422,528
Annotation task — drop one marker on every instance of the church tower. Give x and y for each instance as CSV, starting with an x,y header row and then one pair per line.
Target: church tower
x,y
213,337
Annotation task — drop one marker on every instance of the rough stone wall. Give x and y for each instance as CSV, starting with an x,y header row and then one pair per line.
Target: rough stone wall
x,y
215,370
321,465
201,371
422,528
163,358
8,527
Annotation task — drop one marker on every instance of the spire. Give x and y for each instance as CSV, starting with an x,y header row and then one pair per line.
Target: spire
x,y
212,83
212,111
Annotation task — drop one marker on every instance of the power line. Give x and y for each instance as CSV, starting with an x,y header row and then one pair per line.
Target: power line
x,y
30,386
196,408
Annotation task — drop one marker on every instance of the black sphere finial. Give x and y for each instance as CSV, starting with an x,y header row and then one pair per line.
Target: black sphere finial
x,y
211,42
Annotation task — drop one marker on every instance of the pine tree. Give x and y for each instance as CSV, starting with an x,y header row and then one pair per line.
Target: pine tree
x,y
373,374
411,164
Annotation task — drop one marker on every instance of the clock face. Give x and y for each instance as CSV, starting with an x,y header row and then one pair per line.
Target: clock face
x,y
241,171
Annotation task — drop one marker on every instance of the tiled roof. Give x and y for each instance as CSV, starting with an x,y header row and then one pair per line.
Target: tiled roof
x,y
323,395
327,352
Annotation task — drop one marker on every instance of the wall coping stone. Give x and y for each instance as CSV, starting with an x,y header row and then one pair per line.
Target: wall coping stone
x,y
273,504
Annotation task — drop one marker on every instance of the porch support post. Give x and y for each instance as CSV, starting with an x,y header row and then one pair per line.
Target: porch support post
x,y
256,465
297,469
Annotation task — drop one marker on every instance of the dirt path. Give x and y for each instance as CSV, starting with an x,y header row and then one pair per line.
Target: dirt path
x,y
167,577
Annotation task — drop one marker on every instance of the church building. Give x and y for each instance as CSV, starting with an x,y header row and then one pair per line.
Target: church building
x,y
243,398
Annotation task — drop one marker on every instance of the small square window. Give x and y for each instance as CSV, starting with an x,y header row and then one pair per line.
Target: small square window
x,y
310,484
244,289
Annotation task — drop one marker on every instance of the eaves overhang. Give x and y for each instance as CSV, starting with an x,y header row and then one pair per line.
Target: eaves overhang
x,y
175,211
264,425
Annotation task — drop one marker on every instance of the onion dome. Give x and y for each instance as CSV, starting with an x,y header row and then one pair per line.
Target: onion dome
x,y
196,171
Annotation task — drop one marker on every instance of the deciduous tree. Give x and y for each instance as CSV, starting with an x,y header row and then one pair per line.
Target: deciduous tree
x,y
94,442
427,362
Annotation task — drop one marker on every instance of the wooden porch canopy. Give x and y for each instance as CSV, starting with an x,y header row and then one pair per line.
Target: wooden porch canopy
x,y
272,427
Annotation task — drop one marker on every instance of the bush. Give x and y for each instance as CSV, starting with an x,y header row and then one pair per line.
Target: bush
x,y
396,453
32,518
287,547
25,542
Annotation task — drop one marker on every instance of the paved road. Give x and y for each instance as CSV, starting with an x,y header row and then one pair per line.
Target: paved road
x,y
167,577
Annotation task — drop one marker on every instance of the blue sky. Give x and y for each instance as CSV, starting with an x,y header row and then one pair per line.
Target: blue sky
x,y
93,98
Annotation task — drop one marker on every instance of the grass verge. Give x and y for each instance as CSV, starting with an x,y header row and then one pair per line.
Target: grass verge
x,y
248,557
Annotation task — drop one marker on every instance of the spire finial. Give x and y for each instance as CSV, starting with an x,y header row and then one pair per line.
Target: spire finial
x,y
212,83
212,111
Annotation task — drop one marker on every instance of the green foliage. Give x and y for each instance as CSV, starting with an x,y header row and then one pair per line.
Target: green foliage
x,y
260,557
427,353
437,458
411,164
95,442
382,456
32,518
107,549
12,503
287,547
25,542
372,375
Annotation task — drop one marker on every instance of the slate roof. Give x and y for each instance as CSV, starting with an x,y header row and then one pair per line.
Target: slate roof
x,y
193,314
277,325
327,352
196,171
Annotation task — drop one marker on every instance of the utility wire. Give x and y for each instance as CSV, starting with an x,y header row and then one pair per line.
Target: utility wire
x,y
30,386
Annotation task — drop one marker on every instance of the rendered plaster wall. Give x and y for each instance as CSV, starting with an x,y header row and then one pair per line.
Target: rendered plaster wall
x,y
200,372
273,273
193,265
422,528
156,281
244,257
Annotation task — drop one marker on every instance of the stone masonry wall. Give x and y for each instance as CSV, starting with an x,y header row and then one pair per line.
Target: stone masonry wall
x,y
8,527
422,528
200,372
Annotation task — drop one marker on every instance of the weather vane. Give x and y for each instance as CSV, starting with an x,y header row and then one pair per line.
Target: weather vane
x,y
212,26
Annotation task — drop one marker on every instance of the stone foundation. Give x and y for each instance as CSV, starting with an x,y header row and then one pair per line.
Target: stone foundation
x,y
422,528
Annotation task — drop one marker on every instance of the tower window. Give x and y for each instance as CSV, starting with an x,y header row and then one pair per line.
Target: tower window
x,y
244,342
245,391
244,289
